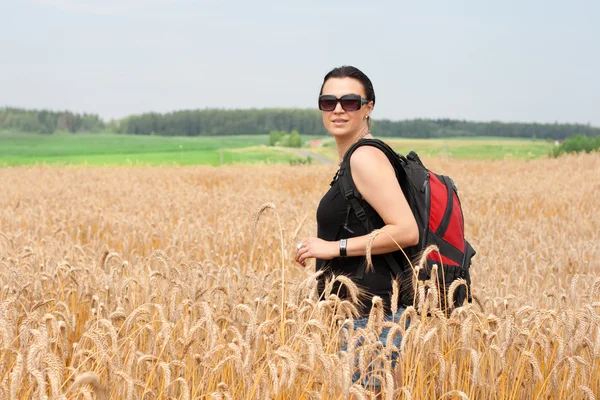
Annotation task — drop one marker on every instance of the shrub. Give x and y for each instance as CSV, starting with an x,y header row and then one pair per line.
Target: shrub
x,y
577,144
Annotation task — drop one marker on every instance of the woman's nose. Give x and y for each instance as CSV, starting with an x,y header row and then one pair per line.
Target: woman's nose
x,y
338,107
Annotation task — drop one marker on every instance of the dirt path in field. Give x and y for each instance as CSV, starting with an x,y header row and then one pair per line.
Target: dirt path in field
x,y
307,153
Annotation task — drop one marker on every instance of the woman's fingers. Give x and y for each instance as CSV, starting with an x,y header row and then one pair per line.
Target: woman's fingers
x,y
304,254
312,247
302,251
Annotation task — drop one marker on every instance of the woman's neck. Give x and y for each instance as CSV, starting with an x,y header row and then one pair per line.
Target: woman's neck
x,y
344,143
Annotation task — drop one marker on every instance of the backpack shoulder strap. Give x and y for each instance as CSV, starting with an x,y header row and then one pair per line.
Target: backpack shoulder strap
x,y
353,196
347,186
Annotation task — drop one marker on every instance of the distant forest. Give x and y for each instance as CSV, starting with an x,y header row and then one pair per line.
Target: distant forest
x,y
213,122
44,121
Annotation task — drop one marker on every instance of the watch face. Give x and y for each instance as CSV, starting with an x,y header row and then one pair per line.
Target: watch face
x,y
343,248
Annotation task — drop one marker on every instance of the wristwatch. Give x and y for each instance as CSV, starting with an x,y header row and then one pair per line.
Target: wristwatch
x,y
343,252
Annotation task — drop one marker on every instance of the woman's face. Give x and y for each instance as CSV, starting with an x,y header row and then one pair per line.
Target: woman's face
x,y
339,122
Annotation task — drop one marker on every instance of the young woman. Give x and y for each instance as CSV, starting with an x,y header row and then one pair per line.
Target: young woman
x,y
346,100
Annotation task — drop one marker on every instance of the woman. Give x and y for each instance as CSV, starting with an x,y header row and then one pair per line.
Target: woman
x,y
346,100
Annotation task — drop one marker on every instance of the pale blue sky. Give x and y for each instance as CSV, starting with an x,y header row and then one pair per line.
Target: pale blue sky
x,y
477,60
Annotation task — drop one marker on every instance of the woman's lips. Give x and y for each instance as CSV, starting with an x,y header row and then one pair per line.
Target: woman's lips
x,y
339,121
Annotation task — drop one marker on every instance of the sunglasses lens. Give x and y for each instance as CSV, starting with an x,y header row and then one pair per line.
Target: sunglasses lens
x,y
327,103
350,102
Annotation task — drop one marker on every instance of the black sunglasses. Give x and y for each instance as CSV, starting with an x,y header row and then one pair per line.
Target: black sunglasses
x,y
349,102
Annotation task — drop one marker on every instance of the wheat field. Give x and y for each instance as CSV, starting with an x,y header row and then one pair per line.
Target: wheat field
x,y
179,283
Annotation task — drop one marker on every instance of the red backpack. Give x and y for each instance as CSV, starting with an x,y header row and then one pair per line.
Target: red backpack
x,y
435,204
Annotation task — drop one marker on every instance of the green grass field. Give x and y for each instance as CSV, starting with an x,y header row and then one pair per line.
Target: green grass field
x,y
480,148
18,148
475,148
113,149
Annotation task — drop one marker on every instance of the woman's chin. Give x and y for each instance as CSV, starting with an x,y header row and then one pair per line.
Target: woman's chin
x,y
339,132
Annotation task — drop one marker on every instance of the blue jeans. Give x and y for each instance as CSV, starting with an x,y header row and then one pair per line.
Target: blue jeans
x,y
361,323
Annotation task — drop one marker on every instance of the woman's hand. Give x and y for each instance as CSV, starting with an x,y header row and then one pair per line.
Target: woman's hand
x,y
312,247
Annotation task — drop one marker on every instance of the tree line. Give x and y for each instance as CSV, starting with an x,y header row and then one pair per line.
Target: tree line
x,y
214,122
45,121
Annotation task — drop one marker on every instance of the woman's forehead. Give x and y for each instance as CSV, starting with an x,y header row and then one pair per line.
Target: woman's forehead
x,y
341,86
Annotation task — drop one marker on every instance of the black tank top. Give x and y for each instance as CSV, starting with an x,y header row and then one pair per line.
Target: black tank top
x,y
335,223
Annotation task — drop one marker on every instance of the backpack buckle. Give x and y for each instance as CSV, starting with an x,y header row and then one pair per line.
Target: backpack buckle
x,y
360,213
350,193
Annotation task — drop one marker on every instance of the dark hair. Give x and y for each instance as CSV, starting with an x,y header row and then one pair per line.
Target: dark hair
x,y
348,71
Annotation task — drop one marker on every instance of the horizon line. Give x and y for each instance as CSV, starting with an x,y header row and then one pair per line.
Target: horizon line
x,y
109,120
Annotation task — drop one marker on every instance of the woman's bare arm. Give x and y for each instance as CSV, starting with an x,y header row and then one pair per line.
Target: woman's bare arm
x,y
376,181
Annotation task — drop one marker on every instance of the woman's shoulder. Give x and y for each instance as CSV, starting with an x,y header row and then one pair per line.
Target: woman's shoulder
x,y
368,159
